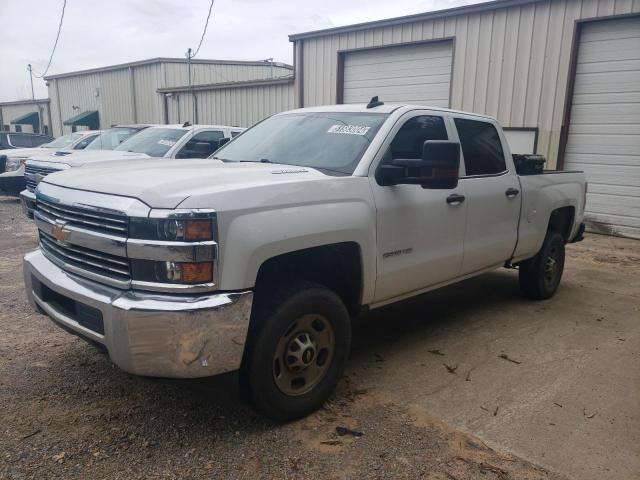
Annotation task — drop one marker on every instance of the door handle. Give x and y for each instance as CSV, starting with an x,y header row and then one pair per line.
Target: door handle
x,y
512,192
455,199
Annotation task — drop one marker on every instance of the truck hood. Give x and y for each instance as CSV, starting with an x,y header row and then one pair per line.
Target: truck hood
x,y
78,158
165,183
25,152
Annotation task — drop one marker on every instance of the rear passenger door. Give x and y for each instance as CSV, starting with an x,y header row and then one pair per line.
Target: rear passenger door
x,y
493,197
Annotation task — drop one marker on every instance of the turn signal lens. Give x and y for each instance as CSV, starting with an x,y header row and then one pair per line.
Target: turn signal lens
x,y
197,272
196,230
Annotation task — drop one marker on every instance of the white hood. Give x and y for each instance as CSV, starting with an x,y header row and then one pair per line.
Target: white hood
x,y
25,152
165,183
78,158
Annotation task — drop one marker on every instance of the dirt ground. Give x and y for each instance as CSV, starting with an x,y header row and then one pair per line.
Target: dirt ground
x,y
425,405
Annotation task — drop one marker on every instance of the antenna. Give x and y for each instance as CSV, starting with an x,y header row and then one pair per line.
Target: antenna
x,y
374,102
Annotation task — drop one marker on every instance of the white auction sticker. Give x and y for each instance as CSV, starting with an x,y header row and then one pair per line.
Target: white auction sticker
x,y
348,129
166,143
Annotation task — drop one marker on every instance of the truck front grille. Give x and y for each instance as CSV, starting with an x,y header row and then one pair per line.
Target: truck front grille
x,y
33,170
94,220
100,263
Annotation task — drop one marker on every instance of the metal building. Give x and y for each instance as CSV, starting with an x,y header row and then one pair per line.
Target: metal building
x,y
563,76
32,116
130,92
234,103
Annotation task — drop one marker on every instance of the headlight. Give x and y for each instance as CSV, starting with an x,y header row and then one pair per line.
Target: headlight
x,y
172,229
167,261
14,163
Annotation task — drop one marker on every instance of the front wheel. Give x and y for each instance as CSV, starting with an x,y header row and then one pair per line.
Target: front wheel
x,y
540,275
297,350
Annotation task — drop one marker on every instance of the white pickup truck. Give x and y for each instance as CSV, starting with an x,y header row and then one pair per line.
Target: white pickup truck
x,y
164,141
12,173
257,259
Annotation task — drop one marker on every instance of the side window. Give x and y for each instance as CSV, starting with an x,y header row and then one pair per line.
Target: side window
x,y
235,133
410,139
201,145
481,147
81,145
20,141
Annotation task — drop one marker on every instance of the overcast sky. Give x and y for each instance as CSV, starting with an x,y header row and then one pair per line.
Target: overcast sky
x,y
98,33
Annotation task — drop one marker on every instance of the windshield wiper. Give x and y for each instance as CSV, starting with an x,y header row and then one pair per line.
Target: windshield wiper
x,y
262,160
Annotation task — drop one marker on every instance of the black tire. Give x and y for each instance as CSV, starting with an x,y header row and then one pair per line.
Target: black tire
x,y
541,275
274,315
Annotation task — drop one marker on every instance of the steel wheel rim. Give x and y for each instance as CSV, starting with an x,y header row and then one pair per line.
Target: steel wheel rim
x,y
552,266
303,354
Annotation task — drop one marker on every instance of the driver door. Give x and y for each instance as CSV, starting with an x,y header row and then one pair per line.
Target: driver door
x,y
420,232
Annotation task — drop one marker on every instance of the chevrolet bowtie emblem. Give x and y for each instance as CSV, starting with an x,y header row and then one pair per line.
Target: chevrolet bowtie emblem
x,y
60,233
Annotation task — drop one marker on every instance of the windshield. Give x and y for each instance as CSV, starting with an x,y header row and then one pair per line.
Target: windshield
x,y
63,141
155,142
332,141
111,138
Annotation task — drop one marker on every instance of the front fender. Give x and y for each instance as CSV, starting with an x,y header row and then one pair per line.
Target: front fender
x,y
253,238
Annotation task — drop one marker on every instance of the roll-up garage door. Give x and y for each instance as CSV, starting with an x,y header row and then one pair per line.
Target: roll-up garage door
x,y
604,130
418,74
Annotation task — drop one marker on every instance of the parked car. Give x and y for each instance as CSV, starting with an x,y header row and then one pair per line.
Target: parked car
x,y
166,141
12,159
258,261
9,140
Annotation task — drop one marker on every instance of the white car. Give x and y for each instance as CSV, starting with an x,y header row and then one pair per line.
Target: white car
x,y
12,179
260,260
166,141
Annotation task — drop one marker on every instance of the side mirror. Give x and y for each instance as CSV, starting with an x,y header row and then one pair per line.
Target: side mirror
x,y
438,167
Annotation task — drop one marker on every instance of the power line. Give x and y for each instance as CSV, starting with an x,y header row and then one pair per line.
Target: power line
x,y
204,32
64,4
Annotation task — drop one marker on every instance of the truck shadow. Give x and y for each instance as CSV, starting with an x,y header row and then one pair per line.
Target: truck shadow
x,y
214,404
436,313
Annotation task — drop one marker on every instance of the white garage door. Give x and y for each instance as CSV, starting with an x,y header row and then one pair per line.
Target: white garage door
x,y
412,73
604,132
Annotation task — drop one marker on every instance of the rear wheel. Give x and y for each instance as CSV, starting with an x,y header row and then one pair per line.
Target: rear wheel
x,y
540,276
297,350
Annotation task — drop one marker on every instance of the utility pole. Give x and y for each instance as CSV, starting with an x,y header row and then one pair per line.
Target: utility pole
x,y
33,96
193,95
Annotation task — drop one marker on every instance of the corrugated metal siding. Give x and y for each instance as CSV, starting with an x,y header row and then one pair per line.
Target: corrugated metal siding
x,y
115,90
511,63
177,74
240,106
147,79
79,92
9,112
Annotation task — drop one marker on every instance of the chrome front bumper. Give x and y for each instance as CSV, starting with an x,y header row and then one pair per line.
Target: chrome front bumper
x,y
28,200
159,335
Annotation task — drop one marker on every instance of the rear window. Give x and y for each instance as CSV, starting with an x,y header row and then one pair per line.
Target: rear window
x,y
481,147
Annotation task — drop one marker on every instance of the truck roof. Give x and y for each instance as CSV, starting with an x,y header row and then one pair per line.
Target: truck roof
x,y
181,126
384,108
